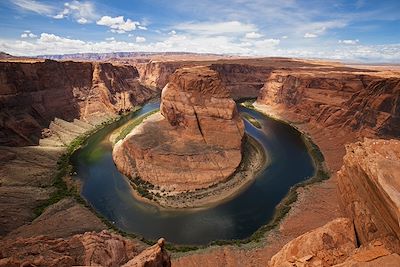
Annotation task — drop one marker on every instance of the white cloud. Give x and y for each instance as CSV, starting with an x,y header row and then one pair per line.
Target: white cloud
x,y
28,34
52,44
118,24
58,16
140,39
110,39
141,27
310,35
253,35
267,42
81,12
284,37
349,42
34,6
172,32
64,13
318,28
216,28
82,21
49,37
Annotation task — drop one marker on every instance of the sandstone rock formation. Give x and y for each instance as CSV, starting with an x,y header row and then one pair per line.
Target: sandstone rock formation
x,y
89,249
155,256
60,220
360,102
34,94
195,143
155,74
242,80
324,246
369,186
373,254
335,244
26,174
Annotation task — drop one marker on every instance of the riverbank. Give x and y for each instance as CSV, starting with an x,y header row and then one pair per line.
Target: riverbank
x,y
36,179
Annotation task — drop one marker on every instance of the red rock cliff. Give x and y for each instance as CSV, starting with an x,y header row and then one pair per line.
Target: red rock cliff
x,y
358,102
155,74
369,186
185,148
88,249
242,80
33,94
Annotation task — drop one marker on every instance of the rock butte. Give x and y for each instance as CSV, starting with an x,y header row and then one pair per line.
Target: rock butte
x,y
193,143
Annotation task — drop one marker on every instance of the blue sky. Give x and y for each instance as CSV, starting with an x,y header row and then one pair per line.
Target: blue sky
x,y
358,30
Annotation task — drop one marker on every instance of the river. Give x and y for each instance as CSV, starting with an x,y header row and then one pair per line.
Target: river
x,y
109,192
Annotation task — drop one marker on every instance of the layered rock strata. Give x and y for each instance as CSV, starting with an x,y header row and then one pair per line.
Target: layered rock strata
x,y
88,249
369,186
242,80
32,95
334,244
196,140
155,74
325,246
362,103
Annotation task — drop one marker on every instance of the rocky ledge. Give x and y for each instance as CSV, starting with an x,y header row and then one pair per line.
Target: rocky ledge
x,y
369,186
88,249
194,143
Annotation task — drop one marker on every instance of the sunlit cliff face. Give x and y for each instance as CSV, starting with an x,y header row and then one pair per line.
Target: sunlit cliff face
x,y
194,108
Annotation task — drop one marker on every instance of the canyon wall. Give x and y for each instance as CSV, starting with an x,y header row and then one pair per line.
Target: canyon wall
x,y
185,148
34,94
357,102
155,74
369,186
242,80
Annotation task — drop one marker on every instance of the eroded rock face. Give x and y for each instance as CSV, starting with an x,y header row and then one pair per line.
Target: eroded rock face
x,y
369,186
373,254
89,249
195,143
34,94
359,102
155,74
155,256
325,246
242,80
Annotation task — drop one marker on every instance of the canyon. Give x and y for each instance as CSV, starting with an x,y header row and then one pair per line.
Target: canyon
x,y
351,219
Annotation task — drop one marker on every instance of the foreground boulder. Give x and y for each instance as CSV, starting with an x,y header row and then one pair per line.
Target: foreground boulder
x,y
325,246
369,186
194,143
89,249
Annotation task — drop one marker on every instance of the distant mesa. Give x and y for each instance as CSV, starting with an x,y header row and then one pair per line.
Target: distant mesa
x,y
4,55
194,142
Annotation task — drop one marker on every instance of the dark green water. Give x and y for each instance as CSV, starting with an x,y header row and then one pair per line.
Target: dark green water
x,y
110,193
